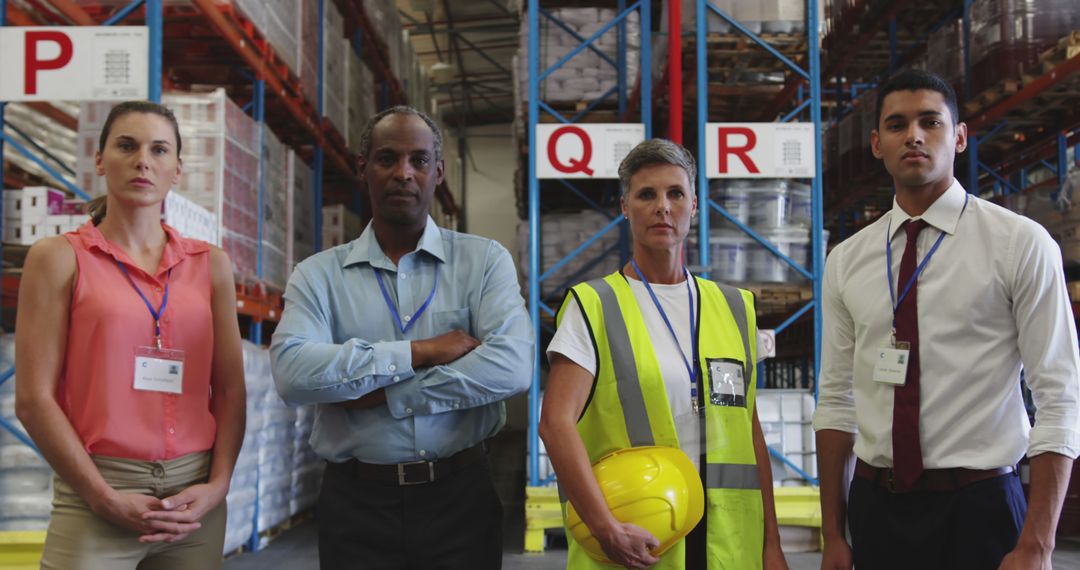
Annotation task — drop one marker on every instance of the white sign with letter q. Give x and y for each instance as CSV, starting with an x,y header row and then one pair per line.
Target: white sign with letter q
x,y
77,63
592,150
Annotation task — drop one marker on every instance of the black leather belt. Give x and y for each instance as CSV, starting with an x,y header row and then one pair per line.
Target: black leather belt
x,y
414,472
931,480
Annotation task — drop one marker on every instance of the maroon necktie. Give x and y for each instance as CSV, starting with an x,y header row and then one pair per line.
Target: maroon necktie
x,y
907,451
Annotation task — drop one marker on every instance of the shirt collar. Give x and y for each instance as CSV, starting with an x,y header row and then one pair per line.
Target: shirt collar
x,y
177,247
943,214
366,249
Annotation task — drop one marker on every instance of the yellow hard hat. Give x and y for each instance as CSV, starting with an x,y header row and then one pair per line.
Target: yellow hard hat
x,y
655,488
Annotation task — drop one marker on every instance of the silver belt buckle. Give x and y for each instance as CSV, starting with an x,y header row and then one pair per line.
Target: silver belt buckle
x,y
401,473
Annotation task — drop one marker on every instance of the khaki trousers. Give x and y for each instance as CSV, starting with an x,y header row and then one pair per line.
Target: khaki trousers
x,y
78,539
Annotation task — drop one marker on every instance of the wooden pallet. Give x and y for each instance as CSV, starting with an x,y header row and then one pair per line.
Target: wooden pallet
x,y
1066,49
772,298
270,534
992,96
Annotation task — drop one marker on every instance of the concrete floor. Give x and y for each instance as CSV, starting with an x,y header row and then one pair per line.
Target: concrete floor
x,y
296,550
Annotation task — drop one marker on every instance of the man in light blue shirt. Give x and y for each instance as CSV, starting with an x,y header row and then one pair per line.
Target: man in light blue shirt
x,y
409,338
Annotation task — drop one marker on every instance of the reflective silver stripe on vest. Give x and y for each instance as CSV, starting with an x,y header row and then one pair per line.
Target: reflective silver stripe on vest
x,y
738,310
731,476
638,428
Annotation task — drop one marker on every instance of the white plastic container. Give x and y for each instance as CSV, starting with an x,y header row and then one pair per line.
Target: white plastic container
x,y
728,254
799,196
765,267
733,197
769,204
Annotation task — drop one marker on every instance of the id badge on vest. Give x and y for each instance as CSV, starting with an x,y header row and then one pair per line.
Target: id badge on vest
x,y
159,369
727,386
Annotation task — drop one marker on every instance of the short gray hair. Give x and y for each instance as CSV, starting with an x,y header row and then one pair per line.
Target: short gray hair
x,y
656,151
365,137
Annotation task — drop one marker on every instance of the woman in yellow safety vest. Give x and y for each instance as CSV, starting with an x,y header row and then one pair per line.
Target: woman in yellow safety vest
x,y
652,356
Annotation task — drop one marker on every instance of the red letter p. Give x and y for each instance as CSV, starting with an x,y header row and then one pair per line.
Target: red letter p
x,y
33,64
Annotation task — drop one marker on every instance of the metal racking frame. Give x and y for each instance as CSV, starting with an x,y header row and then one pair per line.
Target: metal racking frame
x,y
812,102
535,76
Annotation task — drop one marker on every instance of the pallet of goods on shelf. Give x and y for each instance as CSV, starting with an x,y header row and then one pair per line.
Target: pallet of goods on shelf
x,y
300,205
51,132
25,478
587,76
35,212
1008,36
777,210
275,236
335,81
339,225
760,17
360,98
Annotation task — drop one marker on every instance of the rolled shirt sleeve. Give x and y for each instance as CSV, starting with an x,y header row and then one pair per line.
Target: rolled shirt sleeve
x,y
309,368
1047,342
836,399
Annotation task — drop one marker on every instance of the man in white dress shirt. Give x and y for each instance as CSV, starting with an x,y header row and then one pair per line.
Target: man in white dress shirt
x,y
922,357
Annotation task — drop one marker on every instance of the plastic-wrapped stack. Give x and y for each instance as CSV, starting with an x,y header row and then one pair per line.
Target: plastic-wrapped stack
x,y
562,234
945,54
242,488
190,219
49,134
759,16
36,212
339,225
360,100
221,165
275,461
275,268
1009,35
587,76
307,468
25,478
301,212
308,50
335,83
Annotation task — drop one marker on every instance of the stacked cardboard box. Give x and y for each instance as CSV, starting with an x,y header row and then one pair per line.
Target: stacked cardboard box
x,y
339,225
36,212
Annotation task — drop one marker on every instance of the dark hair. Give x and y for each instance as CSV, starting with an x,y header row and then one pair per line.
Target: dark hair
x,y
656,151
915,80
365,137
96,207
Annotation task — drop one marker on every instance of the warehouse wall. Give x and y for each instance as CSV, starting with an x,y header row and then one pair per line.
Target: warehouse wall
x,y
489,174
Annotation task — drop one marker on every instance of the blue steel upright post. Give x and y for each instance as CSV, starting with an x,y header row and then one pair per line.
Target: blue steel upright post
x,y
155,21
260,119
817,222
534,243
701,12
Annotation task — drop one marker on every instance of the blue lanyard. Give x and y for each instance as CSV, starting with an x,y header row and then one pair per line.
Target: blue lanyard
x,y
164,301
393,309
691,370
911,281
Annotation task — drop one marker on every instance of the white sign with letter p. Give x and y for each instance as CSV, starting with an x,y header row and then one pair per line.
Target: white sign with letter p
x,y
77,63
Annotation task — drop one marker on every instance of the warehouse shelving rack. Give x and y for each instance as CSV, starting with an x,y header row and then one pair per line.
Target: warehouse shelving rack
x,y
249,50
806,103
535,105
1027,129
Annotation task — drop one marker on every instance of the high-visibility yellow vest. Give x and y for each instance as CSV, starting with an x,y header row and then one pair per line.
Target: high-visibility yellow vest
x,y
628,407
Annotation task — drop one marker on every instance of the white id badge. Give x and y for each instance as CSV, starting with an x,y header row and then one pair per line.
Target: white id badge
x,y
891,366
159,369
727,387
